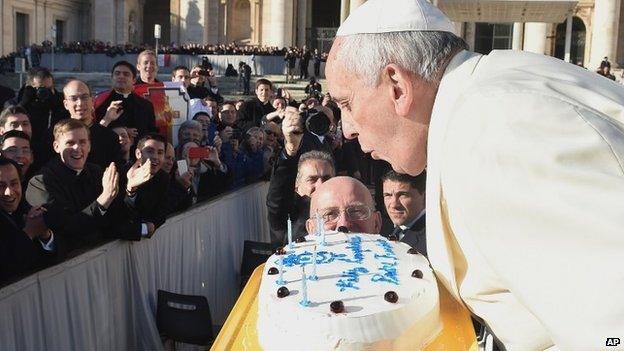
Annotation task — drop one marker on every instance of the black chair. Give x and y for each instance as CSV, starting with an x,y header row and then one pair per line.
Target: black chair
x,y
254,254
184,318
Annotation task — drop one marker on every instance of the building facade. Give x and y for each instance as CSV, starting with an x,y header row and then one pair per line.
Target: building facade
x,y
593,28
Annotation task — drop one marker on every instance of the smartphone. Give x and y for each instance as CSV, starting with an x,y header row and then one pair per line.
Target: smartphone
x,y
198,152
182,167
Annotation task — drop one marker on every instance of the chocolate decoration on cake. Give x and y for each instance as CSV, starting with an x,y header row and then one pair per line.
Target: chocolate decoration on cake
x,y
280,251
417,273
273,271
391,296
393,237
283,292
336,306
343,229
412,251
300,239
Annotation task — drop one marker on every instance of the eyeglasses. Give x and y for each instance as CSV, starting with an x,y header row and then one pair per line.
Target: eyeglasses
x,y
13,150
75,98
353,213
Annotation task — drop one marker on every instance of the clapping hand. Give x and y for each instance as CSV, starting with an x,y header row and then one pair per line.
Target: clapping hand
x,y
138,175
110,186
35,226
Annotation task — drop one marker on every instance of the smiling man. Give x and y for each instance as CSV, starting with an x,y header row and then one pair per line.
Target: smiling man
x,y
147,66
15,145
104,142
524,169
76,194
252,111
121,107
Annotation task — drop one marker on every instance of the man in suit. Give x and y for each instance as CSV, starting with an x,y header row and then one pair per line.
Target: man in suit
x,y
20,227
404,200
524,169
104,142
121,107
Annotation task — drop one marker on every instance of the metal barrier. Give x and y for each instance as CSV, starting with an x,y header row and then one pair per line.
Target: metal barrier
x,y
105,299
264,65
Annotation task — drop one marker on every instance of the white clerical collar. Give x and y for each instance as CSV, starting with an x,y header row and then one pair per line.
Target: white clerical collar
x,y
320,137
411,223
124,95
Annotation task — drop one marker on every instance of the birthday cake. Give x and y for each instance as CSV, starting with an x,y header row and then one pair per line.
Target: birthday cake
x,y
363,293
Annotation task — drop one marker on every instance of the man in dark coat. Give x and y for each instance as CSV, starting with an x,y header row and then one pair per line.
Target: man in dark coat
x,y
295,177
76,194
304,62
146,186
252,111
133,112
404,199
20,228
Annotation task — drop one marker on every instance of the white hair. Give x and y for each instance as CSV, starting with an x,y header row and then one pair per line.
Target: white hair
x,y
425,53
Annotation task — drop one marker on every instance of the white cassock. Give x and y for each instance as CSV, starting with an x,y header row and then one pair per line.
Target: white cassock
x,y
525,198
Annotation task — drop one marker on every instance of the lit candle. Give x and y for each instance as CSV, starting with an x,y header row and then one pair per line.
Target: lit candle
x,y
290,244
313,276
322,234
280,281
319,223
304,290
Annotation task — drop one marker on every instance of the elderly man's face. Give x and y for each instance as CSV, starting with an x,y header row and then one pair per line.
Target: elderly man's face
x,y
344,202
390,120
310,175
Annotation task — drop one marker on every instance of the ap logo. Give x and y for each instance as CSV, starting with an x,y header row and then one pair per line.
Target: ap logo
x,y
612,342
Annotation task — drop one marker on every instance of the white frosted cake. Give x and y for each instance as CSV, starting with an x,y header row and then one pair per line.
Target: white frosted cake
x,y
370,294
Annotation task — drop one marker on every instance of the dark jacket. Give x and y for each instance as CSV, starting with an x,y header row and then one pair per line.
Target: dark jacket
x,y
70,199
18,253
251,113
414,236
283,201
148,205
178,198
104,146
137,112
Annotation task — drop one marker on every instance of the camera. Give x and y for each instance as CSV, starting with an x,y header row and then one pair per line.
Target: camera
x,y
43,93
316,121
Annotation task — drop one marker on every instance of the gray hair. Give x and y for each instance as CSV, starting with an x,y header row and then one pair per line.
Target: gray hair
x,y
315,155
191,124
425,53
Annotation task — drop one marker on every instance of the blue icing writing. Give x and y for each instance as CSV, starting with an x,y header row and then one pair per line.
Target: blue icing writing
x,y
351,277
388,270
305,258
387,274
355,245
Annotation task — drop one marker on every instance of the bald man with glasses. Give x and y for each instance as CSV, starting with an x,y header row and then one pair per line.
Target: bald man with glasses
x,y
344,204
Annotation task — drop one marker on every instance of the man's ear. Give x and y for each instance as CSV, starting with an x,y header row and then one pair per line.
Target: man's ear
x,y
400,85
65,104
55,146
377,219
310,226
137,153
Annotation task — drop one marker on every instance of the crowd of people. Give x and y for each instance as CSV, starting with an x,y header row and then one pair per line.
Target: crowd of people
x,y
70,160
34,51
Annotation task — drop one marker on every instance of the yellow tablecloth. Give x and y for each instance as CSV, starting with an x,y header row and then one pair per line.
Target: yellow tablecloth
x,y
239,330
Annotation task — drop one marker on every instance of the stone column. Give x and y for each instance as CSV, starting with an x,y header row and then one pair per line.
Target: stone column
x,y
518,36
469,34
354,4
344,10
568,39
604,32
104,20
302,24
535,37
281,23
